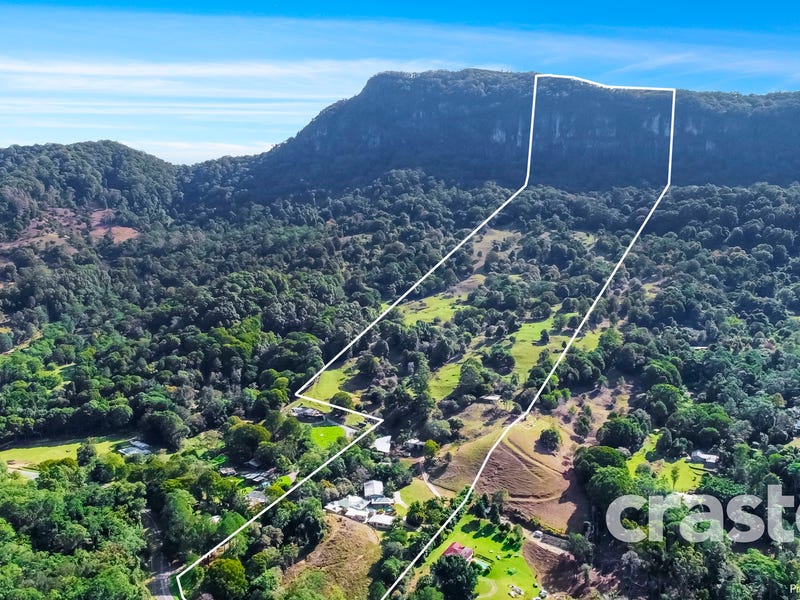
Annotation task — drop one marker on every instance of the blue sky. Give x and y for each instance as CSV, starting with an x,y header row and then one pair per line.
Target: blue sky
x,y
189,81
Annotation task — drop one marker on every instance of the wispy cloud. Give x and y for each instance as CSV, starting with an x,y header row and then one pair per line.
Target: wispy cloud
x,y
192,152
245,80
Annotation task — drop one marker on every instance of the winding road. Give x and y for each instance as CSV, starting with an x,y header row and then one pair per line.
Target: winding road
x,y
159,567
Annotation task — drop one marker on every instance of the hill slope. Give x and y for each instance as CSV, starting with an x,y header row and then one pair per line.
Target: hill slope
x,y
472,126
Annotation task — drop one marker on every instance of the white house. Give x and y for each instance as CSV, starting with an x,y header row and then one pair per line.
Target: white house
x,y
414,444
381,521
357,515
381,502
707,460
373,489
356,503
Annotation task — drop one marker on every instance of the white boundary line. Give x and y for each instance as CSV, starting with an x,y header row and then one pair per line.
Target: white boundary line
x,y
378,420
578,329
353,342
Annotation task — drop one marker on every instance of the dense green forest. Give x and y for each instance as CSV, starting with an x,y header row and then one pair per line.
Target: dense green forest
x,y
195,332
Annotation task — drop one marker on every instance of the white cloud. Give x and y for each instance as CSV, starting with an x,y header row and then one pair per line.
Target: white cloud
x,y
306,69
242,80
193,152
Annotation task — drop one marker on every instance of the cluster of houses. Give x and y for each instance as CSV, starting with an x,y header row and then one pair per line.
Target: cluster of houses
x,y
384,445
372,508
255,475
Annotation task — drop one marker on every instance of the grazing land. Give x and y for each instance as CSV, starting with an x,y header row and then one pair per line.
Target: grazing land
x,y
30,455
506,561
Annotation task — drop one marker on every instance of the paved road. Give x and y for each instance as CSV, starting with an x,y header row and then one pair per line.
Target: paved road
x,y
159,567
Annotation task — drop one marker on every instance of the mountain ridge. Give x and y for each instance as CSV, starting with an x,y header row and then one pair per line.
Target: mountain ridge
x,y
465,128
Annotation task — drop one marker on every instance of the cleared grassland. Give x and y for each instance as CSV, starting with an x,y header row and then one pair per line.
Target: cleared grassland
x,y
324,436
688,474
328,383
527,347
28,455
539,484
508,565
485,241
440,306
445,380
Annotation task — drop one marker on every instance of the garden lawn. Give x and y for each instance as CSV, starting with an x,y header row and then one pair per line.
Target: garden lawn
x,y
32,454
416,491
325,435
509,566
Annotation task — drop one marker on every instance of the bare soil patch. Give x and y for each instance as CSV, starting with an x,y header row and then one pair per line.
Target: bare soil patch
x,y
561,572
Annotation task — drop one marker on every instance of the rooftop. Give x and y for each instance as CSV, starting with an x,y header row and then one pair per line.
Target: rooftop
x,y
456,549
383,444
373,488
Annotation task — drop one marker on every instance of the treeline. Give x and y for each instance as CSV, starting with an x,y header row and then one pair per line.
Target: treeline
x,y
73,533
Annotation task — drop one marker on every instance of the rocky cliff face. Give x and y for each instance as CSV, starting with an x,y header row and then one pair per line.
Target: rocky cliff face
x,y
472,126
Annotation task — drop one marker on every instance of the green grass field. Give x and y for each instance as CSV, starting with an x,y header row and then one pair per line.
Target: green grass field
x,y
527,348
414,491
329,382
33,454
640,456
508,568
444,380
689,474
441,306
589,340
325,435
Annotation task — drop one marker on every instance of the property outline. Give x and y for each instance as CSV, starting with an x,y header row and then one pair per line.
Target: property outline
x,y
377,420
522,416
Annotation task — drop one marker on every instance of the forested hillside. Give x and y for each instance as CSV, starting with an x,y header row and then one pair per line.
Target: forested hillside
x,y
183,306
472,126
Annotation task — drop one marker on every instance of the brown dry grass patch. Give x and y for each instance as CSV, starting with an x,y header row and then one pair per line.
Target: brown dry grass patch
x,y
345,556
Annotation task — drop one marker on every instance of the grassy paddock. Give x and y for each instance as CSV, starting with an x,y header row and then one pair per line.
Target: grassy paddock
x,y
440,306
329,382
689,474
445,380
37,452
508,565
